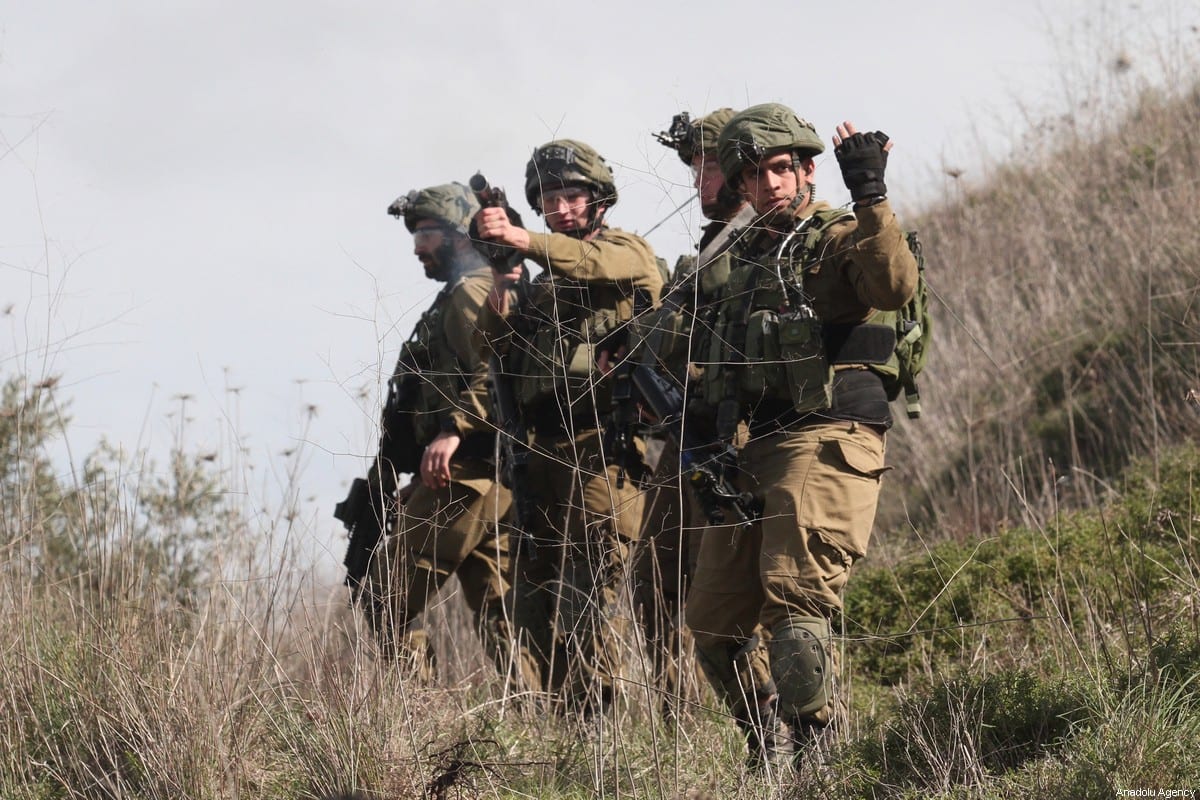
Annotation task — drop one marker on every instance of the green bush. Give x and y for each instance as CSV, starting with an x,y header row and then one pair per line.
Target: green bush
x,y
1121,571
965,728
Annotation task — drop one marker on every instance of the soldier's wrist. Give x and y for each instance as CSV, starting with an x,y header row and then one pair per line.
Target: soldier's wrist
x,y
867,202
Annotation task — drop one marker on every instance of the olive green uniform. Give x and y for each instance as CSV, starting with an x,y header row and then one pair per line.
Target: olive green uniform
x,y
664,561
565,584
665,558
454,530
763,594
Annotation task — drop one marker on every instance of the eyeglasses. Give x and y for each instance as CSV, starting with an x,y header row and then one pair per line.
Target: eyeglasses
x,y
567,194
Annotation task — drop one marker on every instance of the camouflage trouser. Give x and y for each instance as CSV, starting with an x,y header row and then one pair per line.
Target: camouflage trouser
x,y
443,532
784,575
663,563
565,587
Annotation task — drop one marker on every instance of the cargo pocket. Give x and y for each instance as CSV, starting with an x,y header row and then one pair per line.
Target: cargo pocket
x,y
860,459
843,500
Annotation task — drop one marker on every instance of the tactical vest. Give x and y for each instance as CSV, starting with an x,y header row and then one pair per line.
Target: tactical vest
x,y
560,327
763,343
429,377
667,330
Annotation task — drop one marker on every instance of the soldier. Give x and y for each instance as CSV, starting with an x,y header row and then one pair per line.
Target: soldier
x,y
560,337
665,557
726,211
796,346
437,422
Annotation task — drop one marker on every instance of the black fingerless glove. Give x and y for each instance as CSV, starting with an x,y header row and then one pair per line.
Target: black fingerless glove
x,y
863,159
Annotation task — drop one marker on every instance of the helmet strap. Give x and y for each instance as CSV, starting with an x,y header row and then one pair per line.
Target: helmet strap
x,y
595,218
810,189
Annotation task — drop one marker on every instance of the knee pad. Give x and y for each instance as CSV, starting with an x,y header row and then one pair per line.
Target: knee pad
x,y
801,666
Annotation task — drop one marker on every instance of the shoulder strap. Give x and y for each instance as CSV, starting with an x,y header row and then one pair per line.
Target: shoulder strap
x,y
813,231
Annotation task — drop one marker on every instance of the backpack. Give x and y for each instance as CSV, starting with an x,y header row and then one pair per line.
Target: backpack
x,y
914,333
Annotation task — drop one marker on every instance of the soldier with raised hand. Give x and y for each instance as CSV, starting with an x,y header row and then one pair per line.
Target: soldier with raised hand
x,y
447,520
796,344
666,554
561,339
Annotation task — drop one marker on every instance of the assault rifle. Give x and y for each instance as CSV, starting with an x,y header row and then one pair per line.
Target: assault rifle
x,y
366,515
370,506
623,420
514,436
703,461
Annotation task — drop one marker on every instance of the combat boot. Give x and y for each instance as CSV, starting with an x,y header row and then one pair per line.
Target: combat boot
x,y
768,743
414,654
741,676
811,743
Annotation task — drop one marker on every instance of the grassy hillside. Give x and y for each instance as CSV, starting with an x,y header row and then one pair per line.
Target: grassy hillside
x,y
1028,624
1067,319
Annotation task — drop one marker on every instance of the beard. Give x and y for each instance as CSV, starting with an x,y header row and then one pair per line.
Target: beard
x,y
435,269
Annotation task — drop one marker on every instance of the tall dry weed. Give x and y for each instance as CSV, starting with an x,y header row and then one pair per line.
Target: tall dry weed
x,y
1066,315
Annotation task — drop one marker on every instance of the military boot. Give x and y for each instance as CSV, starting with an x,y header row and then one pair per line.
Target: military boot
x,y
415,655
740,674
768,742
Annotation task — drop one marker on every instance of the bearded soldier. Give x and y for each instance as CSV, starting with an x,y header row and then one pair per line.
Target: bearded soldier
x,y
794,347
563,338
666,555
436,424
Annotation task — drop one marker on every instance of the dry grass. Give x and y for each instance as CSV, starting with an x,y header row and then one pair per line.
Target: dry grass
x,y
1067,322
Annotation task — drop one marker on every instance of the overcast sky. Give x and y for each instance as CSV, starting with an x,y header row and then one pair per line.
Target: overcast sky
x,y
192,194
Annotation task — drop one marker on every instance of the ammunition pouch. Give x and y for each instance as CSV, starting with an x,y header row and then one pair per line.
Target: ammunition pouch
x,y
809,373
554,358
437,382
398,443
715,274
551,365
789,358
664,335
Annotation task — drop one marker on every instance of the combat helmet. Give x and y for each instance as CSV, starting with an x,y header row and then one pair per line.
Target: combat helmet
x,y
692,137
752,134
451,205
566,162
